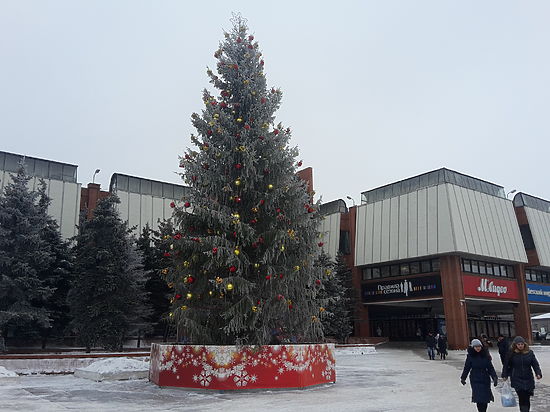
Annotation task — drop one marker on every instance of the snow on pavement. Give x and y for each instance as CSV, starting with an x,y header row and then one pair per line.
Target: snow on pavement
x,y
389,380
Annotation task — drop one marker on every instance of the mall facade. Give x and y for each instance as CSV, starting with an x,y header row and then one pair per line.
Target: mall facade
x,y
444,252
440,252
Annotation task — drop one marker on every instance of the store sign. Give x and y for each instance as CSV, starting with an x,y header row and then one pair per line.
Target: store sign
x,y
490,287
402,289
539,293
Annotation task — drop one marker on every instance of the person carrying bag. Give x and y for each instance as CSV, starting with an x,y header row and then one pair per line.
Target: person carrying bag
x,y
507,396
519,366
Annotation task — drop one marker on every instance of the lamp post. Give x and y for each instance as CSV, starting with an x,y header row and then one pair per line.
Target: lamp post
x,y
511,192
95,173
352,200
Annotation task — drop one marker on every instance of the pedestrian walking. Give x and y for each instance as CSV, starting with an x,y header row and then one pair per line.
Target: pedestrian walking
x,y
442,346
519,365
480,368
503,347
431,343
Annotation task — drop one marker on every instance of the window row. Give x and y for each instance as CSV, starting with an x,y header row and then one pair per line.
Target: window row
x,y
537,276
487,268
147,187
38,167
401,269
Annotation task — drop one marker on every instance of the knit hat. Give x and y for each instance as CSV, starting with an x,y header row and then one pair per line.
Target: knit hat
x,y
475,342
518,339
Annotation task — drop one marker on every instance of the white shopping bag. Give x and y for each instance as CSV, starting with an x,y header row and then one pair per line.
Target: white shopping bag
x,y
507,396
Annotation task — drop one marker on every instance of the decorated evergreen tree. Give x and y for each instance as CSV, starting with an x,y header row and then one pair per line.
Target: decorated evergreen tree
x,y
243,255
107,298
337,290
24,254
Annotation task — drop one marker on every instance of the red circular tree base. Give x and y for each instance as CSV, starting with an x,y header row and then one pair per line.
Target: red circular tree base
x,y
246,367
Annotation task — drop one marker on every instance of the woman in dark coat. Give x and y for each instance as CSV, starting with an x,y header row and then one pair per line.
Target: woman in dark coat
x,y
519,366
478,364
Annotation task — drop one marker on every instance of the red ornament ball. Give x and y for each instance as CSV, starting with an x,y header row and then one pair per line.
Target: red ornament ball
x,y
299,163
187,204
262,201
232,269
178,296
247,127
172,205
310,210
263,100
268,277
280,297
177,236
276,132
250,38
318,282
320,244
190,279
238,166
166,254
237,199
214,250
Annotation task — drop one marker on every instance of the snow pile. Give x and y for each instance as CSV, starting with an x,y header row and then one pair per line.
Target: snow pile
x,y
4,373
7,376
355,350
114,369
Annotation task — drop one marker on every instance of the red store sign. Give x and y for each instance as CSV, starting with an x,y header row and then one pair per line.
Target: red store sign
x,y
490,287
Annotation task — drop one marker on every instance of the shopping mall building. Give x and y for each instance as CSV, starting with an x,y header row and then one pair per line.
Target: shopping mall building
x,y
441,252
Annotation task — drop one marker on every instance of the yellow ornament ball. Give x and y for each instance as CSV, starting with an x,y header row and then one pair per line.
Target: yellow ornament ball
x,y
216,115
184,307
229,286
242,148
254,308
327,272
270,187
256,265
210,293
186,264
296,268
282,248
171,314
254,210
189,295
237,182
219,280
237,252
321,309
239,120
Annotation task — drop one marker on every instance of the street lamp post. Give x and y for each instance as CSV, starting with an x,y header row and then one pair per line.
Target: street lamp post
x,y
95,173
511,192
352,200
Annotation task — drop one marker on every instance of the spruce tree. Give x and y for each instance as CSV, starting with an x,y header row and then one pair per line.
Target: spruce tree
x,y
149,244
337,291
24,253
243,255
107,298
58,275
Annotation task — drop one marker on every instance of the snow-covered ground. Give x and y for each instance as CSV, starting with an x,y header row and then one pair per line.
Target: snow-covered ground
x,y
386,381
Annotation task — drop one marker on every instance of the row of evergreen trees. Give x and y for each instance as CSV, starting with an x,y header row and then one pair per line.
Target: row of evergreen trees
x,y
103,285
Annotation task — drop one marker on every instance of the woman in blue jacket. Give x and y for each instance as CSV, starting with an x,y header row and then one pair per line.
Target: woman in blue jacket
x,y
480,368
519,366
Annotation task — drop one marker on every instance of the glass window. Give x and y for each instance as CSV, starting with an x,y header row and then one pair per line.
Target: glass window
x,y
404,269
426,266
41,168
475,266
489,268
510,271
2,158
56,171
122,183
394,270
367,274
344,246
415,268
435,265
157,189
11,162
167,190
375,273
69,173
496,270
482,268
467,265
178,193
385,271
146,187
29,164
503,271
133,185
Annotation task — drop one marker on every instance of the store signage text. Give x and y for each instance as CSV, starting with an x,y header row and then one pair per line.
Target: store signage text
x,y
402,288
490,287
536,292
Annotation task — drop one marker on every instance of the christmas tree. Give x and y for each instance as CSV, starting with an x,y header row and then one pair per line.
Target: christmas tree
x,y
107,298
24,254
243,256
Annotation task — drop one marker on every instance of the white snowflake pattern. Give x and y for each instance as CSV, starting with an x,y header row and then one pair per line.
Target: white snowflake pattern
x,y
280,371
204,378
241,378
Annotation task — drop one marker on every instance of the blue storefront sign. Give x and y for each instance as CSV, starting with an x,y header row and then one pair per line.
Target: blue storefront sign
x,y
538,293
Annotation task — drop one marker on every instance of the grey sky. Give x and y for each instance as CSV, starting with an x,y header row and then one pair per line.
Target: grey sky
x,y
373,91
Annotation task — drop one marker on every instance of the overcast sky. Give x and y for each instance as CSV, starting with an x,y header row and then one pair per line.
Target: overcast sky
x,y
374,91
